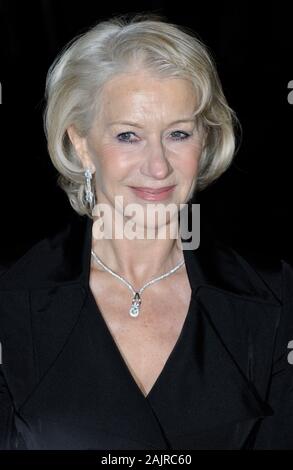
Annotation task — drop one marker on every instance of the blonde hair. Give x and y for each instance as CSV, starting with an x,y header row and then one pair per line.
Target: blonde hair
x,y
75,82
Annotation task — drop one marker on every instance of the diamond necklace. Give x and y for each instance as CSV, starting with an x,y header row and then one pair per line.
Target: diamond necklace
x,y
136,301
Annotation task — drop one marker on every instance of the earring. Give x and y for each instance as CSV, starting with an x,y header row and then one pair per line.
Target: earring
x,y
89,196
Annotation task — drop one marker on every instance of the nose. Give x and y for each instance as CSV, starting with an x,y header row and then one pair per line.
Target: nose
x,y
155,164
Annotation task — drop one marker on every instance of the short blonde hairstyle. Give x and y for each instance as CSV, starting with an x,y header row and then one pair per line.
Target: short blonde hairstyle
x,y
75,82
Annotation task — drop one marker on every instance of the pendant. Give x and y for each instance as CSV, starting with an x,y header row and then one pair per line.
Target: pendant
x,y
134,309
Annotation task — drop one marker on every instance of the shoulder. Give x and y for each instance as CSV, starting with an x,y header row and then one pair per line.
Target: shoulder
x,y
21,272
266,269
240,272
53,260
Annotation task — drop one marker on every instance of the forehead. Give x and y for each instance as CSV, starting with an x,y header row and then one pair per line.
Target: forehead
x,y
138,93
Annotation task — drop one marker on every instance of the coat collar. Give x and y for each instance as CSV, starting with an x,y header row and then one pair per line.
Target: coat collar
x,y
65,259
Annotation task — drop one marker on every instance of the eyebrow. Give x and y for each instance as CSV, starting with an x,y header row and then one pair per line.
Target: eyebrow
x,y
136,124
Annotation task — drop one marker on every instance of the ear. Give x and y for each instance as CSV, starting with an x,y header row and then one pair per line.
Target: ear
x,y
81,148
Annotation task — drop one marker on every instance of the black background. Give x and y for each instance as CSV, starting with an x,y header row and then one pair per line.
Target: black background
x,y
249,207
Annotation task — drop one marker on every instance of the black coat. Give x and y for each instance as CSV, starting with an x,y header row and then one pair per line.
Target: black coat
x,y
244,396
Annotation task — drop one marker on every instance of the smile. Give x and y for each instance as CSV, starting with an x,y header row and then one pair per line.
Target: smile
x,y
151,194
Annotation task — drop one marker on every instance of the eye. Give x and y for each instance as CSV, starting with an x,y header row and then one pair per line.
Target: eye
x,y
180,135
126,137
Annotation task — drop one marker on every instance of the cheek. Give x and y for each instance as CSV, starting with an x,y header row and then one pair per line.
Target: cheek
x,y
115,162
190,169
187,160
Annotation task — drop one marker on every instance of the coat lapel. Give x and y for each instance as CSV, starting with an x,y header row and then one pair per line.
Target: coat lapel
x,y
247,330
41,297
223,381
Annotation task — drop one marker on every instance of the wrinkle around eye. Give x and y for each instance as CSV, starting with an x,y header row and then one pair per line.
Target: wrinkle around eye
x,y
126,141
183,137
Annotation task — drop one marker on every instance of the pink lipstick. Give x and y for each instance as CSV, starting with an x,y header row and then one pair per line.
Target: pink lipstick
x,y
151,194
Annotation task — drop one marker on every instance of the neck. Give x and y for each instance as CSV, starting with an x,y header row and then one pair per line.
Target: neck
x,y
137,260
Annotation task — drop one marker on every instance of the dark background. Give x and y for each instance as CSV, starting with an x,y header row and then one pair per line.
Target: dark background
x,y
249,207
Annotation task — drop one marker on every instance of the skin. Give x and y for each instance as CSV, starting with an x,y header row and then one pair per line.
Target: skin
x,y
157,156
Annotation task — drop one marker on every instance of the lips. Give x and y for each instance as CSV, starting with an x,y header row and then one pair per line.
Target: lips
x,y
152,194
152,190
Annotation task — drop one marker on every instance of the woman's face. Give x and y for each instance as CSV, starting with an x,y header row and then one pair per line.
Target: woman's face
x,y
145,136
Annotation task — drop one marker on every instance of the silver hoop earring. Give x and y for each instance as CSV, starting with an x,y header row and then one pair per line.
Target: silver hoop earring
x,y
89,195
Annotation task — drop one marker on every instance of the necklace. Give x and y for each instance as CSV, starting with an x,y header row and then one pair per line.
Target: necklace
x,y
136,301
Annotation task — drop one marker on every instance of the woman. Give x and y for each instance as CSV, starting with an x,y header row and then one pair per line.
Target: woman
x,y
94,355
